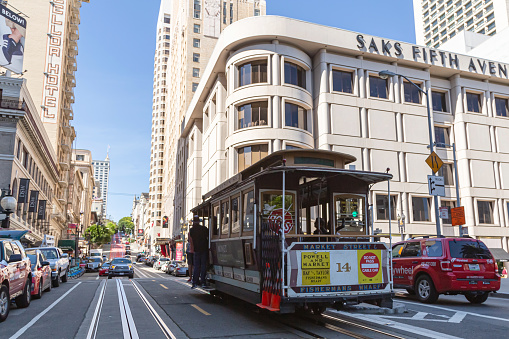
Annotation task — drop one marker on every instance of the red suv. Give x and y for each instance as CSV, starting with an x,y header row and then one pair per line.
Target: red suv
x,y
429,267
15,274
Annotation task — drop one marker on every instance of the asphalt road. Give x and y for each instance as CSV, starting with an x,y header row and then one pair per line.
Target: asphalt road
x,y
156,305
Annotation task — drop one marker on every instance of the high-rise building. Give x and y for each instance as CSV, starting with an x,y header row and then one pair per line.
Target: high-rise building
x,y
101,174
187,32
437,21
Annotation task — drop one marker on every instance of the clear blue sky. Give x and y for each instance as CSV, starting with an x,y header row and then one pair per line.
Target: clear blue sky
x,y
115,67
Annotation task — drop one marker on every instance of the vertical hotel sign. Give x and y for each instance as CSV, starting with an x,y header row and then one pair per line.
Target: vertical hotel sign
x,y
54,57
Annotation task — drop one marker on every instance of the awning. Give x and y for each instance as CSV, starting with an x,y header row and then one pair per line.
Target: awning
x,y
500,254
162,241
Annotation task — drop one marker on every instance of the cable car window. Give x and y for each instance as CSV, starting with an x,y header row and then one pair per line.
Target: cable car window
x,y
248,212
215,220
272,209
225,213
235,215
349,211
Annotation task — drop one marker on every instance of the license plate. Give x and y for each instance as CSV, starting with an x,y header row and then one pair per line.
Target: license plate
x,y
472,282
473,267
120,273
485,282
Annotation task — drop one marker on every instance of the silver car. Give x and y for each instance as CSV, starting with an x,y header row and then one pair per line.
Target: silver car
x,y
94,264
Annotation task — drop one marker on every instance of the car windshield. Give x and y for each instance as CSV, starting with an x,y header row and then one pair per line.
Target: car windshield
x,y
164,259
106,265
120,261
469,249
33,260
94,260
50,253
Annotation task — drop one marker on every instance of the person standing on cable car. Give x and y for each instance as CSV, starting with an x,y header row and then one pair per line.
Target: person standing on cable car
x,y
200,239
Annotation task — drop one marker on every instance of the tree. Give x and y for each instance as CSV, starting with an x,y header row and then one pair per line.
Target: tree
x,y
125,224
99,234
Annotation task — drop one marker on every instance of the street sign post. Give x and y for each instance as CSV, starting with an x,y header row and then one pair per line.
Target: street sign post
x,y
436,185
434,162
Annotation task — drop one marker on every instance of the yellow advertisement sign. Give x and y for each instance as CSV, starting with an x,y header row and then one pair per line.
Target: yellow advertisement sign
x,y
316,277
315,268
370,266
315,260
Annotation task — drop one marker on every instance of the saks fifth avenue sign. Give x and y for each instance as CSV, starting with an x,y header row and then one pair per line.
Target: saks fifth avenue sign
x,y
431,56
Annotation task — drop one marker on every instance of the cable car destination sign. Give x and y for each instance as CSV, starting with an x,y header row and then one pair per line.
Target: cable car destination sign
x,y
342,268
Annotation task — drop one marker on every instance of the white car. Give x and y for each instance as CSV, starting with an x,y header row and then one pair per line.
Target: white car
x,y
160,262
59,263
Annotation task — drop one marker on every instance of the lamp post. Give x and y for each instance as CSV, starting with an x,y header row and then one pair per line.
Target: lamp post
x,y
8,204
384,75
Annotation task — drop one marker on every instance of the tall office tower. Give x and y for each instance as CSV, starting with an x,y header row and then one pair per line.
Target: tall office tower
x,y
195,31
437,21
162,53
50,63
102,174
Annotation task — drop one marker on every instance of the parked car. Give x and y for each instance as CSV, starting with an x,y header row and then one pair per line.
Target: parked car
x,y
121,267
150,260
171,266
164,266
158,263
128,252
180,270
41,272
15,273
429,267
105,268
59,263
94,264
105,258
142,259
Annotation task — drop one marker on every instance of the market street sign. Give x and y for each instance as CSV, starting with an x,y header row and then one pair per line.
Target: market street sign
x,y
434,162
436,185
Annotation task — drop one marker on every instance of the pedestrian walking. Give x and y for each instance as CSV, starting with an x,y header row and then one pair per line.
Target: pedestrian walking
x,y
190,257
200,240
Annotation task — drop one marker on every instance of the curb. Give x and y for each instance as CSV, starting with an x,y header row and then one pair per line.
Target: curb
x,y
500,295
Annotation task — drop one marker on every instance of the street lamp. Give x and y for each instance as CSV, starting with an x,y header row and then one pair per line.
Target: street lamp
x,y
384,75
8,204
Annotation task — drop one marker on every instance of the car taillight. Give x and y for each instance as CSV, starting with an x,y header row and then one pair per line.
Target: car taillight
x,y
445,265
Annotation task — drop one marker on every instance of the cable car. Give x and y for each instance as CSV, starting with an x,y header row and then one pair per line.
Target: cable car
x,y
292,232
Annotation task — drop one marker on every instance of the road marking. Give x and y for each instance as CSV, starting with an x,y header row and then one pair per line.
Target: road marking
x,y
162,286
97,278
39,316
457,317
380,320
200,309
453,310
167,332
419,316
95,319
128,325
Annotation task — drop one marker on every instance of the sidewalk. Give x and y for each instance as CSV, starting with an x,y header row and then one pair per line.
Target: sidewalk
x,y
503,292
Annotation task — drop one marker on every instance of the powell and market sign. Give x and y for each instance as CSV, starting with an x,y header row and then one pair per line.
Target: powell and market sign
x,y
431,56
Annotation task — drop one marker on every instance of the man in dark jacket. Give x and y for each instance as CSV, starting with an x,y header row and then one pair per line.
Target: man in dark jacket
x,y
200,240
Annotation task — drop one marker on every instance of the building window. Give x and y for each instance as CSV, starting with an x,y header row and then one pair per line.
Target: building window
x,y
485,210
224,12
235,215
197,9
256,12
412,93
196,43
378,87
421,207
290,147
196,28
442,136
251,154
449,205
196,72
166,20
296,116
439,103
80,157
382,207
252,114
253,72
295,75
342,81
225,213
195,86
501,107
231,12
473,102
248,211
446,172
196,57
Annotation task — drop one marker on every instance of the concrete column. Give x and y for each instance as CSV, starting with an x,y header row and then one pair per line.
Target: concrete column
x,y
323,108
397,89
402,167
364,123
361,81
276,112
277,145
486,107
276,65
366,166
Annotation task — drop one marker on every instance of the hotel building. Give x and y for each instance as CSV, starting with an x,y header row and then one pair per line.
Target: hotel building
x,y
187,32
437,21
102,174
276,83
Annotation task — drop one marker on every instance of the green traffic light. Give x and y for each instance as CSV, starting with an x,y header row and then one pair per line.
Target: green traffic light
x,y
354,214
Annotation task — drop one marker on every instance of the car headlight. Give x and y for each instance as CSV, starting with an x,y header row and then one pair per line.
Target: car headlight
x,y
113,267
54,269
130,267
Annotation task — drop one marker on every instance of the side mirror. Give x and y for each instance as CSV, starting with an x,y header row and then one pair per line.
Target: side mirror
x,y
45,263
15,257
65,255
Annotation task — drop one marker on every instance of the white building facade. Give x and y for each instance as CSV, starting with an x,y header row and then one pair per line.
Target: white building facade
x,y
102,174
275,83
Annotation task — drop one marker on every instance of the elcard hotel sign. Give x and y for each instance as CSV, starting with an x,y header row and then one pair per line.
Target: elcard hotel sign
x,y
430,56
